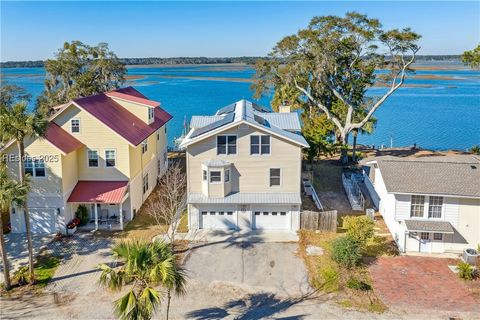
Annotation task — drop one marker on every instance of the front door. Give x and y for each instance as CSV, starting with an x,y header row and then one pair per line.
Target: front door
x,y
425,242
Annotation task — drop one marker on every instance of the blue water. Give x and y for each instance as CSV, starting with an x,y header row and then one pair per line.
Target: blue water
x,y
445,115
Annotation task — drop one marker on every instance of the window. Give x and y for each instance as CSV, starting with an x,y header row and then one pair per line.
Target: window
x,y
212,213
215,176
226,144
257,213
144,146
151,114
416,207
274,177
425,236
110,158
229,213
227,175
438,236
259,145
92,158
158,136
204,175
35,167
283,213
274,213
221,213
75,125
29,167
39,168
145,183
435,205
204,213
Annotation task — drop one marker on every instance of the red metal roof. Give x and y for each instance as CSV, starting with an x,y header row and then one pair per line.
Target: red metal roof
x,y
119,119
134,99
98,192
62,139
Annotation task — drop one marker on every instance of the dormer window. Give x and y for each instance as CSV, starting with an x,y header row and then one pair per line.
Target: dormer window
x,y
151,114
75,125
144,146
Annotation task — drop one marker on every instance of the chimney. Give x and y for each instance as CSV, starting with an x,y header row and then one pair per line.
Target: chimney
x,y
284,109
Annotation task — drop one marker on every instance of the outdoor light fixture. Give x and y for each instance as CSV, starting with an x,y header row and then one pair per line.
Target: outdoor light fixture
x,y
58,211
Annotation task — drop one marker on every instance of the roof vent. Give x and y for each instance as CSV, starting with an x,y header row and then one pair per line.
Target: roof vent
x,y
473,167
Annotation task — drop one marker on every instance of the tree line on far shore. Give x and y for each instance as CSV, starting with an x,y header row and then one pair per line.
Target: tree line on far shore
x,y
198,60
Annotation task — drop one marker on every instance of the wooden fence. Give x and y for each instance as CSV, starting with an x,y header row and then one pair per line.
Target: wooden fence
x,y
323,221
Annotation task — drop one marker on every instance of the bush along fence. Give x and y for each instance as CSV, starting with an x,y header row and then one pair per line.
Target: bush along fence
x,y
322,221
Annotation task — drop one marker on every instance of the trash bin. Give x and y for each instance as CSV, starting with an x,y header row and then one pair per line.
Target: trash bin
x,y
470,256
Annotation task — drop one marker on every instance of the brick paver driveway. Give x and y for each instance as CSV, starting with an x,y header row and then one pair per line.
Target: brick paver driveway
x,y
421,283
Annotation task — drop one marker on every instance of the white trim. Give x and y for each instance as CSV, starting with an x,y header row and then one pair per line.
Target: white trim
x,y
259,154
79,125
210,177
434,194
105,153
98,158
33,175
226,145
270,175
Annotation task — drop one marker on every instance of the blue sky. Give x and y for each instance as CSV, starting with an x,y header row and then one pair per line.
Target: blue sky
x,y
35,30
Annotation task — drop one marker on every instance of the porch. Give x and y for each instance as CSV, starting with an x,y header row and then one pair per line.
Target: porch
x,y
105,201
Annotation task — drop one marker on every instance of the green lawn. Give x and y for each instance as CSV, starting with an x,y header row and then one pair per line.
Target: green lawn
x,y
45,268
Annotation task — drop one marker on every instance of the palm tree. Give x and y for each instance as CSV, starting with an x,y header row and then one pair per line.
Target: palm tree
x,y
17,123
10,192
146,265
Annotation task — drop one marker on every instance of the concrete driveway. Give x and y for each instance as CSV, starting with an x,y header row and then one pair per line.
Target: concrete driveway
x,y
16,246
270,267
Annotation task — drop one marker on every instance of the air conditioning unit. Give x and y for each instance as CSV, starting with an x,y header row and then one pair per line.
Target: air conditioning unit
x,y
470,256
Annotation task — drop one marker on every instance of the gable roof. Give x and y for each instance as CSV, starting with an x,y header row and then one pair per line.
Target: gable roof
x,y
119,119
436,175
133,98
246,112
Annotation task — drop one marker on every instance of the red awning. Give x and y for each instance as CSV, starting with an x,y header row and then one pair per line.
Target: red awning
x,y
98,192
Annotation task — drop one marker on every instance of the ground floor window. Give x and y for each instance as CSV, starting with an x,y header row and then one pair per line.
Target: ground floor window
x,y
438,236
425,236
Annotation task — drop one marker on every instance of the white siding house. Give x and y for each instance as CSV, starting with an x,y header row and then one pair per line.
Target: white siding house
x,y
429,204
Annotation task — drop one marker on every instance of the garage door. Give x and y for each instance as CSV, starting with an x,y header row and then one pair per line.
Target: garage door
x,y
216,219
276,219
42,220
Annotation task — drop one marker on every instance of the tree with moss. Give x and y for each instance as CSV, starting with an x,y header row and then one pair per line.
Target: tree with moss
x,y
336,59
80,70
472,58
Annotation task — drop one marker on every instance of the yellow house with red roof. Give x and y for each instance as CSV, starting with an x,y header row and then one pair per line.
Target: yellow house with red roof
x,y
104,151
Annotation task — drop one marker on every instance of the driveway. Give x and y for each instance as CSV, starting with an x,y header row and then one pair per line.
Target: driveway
x,y
422,283
16,246
270,267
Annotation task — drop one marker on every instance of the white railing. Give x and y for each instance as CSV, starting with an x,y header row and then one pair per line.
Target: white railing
x,y
310,190
354,194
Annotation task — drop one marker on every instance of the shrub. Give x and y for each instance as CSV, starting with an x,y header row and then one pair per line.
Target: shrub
x,y
82,214
21,275
356,284
346,251
465,271
475,150
329,279
359,228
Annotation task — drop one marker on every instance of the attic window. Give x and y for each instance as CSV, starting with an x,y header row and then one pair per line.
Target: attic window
x,y
75,125
151,114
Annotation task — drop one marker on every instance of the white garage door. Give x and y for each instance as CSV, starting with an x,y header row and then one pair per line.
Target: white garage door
x,y
217,219
271,219
42,220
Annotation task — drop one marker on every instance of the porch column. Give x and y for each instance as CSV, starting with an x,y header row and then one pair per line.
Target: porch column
x,y
120,206
96,216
